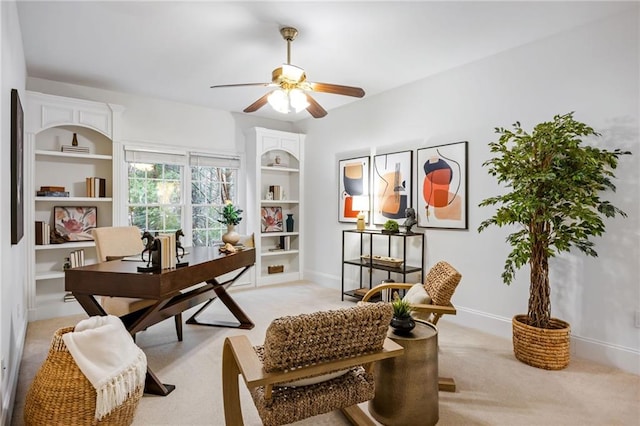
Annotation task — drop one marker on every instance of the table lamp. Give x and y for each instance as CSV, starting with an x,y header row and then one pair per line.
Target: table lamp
x,y
361,205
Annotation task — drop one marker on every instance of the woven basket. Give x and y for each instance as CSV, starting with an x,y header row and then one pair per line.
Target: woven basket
x,y
546,348
61,395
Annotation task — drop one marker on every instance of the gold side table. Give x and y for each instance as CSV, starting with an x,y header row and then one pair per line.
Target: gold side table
x,y
407,386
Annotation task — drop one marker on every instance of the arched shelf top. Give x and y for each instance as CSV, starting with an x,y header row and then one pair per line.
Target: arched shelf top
x,y
53,138
50,111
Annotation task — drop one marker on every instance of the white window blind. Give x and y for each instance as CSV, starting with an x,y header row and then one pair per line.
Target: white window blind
x,y
206,160
132,155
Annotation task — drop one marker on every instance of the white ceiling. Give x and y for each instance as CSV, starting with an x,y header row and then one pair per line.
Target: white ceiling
x,y
175,50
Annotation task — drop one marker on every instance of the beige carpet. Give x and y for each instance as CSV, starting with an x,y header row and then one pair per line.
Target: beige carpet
x,y
493,387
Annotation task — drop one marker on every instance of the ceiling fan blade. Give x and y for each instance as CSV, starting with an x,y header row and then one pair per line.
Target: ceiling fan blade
x,y
240,85
258,104
314,108
337,89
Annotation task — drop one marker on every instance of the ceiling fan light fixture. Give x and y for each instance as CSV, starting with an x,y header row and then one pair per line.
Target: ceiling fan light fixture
x,y
292,92
298,99
284,102
279,101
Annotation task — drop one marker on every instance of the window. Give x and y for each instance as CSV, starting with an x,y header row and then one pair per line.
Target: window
x,y
159,202
213,181
155,196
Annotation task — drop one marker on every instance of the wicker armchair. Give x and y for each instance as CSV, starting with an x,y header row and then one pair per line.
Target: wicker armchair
x,y
440,284
287,376
118,242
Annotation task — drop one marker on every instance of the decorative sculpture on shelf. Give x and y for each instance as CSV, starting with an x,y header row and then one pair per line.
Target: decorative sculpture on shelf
x,y
410,220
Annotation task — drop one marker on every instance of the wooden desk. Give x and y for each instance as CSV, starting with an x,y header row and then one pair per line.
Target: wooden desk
x,y
120,278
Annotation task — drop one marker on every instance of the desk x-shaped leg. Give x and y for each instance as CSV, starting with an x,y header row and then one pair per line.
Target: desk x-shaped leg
x,y
220,290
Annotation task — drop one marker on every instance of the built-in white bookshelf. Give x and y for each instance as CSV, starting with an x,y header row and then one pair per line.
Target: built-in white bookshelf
x,y
51,123
275,159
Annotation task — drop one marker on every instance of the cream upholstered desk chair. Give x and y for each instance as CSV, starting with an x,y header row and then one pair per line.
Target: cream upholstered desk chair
x,y
116,242
429,301
309,364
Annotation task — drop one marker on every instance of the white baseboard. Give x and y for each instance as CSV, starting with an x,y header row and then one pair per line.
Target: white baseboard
x,y
625,359
8,399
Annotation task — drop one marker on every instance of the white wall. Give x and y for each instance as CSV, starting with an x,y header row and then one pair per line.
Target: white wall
x,y
592,70
12,278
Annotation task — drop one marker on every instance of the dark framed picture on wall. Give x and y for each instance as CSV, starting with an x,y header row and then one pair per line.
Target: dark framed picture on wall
x,y
353,181
17,164
442,186
392,186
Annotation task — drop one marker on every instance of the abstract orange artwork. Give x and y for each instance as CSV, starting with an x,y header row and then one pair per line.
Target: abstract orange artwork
x,y
442,186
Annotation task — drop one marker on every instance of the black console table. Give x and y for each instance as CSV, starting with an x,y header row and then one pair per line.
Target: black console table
x,y
394,244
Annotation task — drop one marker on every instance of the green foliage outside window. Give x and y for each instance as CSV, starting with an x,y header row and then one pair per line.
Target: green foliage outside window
x,y
156,200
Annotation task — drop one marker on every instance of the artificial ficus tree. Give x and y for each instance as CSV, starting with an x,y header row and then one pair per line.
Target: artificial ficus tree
x,y
554,184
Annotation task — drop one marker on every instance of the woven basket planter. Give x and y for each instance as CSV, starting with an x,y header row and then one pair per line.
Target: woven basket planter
x,y
60,394
546,348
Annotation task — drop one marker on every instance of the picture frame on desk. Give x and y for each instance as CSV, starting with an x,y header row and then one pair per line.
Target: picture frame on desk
x,y
17,165
76,222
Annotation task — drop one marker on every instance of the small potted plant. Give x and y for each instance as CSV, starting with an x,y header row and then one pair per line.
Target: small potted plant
x,y
390,227
230,217
402,322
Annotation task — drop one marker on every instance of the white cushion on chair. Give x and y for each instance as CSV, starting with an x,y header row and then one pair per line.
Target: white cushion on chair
x,y
417,295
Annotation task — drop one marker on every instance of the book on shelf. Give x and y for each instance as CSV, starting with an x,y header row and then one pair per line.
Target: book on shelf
x,y
69,297
275,191
77,149
52,188
76,258
43,233
285,243
96,187
52,193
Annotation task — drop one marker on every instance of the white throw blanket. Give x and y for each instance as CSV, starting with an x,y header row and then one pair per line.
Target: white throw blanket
x,y
107,355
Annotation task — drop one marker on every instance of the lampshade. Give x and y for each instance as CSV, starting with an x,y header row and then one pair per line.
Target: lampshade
x,y
360,203
288,101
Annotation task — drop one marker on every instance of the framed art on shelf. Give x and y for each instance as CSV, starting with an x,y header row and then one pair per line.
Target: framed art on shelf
x,y
271,219
353,180
17,174
392,186
75,222
442,186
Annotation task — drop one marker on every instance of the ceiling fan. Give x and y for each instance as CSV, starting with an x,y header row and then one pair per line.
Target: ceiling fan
x,y
291,87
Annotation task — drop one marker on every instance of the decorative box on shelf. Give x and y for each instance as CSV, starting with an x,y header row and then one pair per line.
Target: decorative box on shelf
x,y
275,269
382,260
